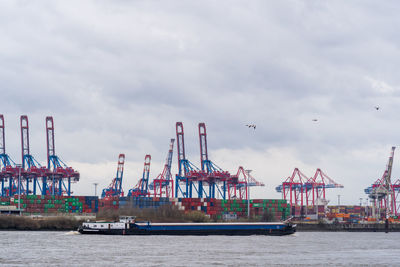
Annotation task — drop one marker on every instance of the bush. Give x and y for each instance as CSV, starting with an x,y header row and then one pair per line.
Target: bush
x,y
268,216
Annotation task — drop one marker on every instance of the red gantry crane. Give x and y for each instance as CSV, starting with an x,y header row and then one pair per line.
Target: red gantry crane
x,y
115,188
219,182
211,174
163,185
238,184
316,185
300,190
32,169
141,188
292,188
187,172
58,180
9,171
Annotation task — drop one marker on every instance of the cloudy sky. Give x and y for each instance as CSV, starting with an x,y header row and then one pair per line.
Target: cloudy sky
x,y
117,75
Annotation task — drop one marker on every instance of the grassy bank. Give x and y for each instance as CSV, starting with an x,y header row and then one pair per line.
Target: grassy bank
x,y
61,223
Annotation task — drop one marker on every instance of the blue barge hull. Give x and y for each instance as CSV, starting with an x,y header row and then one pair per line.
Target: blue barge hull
x,y
147,228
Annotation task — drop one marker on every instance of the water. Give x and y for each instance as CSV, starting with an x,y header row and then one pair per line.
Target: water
x,y
301,249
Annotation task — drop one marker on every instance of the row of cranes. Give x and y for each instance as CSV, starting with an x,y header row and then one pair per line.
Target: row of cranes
x,y
383,193
31,177
300,190
209,181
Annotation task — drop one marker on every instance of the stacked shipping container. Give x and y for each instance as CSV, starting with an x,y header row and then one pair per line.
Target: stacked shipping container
x,y
215,208
37,204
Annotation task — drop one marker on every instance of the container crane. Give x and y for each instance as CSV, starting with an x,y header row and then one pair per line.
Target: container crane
x,y
213,175
164,180
239,184
292,188
141,188
188,174
32,168
59,174
7,166
396,196
115,188
298,189
316,185
382,192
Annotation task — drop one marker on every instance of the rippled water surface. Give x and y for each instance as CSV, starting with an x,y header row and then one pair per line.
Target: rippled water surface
x,y
301,249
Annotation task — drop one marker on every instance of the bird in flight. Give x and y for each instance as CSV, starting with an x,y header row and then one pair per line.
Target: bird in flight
x,y
251,126
377,107
314,119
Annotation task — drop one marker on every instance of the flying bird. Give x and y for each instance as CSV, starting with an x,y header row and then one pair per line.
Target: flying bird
x,y
314,120
251,126
377,107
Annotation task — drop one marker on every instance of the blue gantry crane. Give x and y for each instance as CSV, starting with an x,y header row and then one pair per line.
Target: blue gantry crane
x,y
32,169
211,174
8,167
188,173
141,188
59,176
115,188
163,185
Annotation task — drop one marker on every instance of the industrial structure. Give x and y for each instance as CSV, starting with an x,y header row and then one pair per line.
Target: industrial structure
x,y
141,189
34,173
59,178
163,184
115,187
301,190
30,177
383,193
9,170
186,177
210,181
207,188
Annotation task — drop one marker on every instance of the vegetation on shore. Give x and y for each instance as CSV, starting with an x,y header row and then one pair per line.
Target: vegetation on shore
x,y
40,223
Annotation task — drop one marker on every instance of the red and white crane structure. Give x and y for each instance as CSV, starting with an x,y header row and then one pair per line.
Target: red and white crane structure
x,y
239,184
383,193
8,169
141,188
115,187
299,190
32,169
163,184
59,176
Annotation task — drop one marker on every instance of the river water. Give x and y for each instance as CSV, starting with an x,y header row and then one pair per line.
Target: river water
x,y
20,248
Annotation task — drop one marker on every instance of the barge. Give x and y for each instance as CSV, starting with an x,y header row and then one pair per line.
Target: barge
x,y
128,226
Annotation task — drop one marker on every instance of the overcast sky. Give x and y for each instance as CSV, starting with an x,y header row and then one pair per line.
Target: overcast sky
x,y
117,75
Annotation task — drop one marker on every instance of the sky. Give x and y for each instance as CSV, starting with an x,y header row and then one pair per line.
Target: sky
x,y
117,75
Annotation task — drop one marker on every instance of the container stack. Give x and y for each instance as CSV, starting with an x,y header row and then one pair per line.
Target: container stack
x,y
148,202
81,204
351,214
5,201
109,203
234,208
39,204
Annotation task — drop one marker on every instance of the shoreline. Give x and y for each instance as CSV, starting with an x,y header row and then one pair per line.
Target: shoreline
x,y
62,223
352,227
